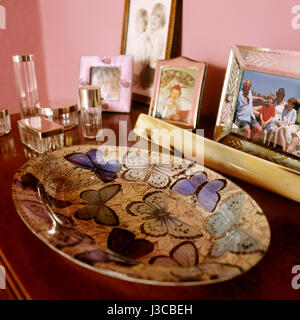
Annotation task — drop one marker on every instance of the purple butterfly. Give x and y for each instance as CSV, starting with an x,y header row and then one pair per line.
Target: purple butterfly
x,y
92,160
205,192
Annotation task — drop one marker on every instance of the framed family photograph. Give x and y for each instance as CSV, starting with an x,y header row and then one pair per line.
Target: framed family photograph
x,y
113,74
148,35
259,111
178,87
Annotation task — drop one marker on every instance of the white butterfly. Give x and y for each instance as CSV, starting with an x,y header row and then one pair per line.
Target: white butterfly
x,y
226,224
157,175
157,221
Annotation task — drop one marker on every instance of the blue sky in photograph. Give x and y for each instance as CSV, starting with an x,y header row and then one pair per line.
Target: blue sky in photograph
x,y
265,83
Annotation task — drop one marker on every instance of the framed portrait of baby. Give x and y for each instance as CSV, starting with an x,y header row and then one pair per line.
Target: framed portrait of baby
x,y
113,74
178,87
259,108
148,35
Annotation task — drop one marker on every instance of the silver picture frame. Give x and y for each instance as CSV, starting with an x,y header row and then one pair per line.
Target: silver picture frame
x,y
269,68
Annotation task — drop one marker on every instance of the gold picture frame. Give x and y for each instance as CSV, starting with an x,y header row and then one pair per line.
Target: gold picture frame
x,y
178,89
267,71
147,44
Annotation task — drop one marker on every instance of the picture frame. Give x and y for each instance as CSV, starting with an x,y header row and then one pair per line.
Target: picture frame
x,y
274,80
148,34
178,89
113,74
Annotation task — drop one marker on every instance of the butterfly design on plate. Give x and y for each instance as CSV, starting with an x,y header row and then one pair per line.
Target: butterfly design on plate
x,y
59,180
205,192
123,242
185,255
157,175
158,221
57,228
96,207
27,182
225,224
123,246
92,160
51,201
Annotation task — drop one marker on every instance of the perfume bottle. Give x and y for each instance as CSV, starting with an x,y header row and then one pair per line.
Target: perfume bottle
x,y
90,112
5,125
26,84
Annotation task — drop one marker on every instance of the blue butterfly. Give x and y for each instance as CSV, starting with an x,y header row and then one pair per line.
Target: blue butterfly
x,y
230,236
205,192
92,160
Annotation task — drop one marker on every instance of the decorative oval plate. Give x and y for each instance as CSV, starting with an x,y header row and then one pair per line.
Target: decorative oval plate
x,y
141,216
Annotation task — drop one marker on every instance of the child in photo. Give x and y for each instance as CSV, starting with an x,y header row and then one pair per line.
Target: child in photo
x,y
267,113
141,58
108,78
173,104
157,42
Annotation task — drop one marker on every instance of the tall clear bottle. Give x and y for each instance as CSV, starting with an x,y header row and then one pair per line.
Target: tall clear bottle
x,y
90,112
26,83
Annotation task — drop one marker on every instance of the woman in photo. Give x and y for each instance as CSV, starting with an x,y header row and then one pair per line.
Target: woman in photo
x,y
141,58
279,105
156,44
289,116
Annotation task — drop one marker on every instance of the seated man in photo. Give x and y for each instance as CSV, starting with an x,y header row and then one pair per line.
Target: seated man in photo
x,y
245,118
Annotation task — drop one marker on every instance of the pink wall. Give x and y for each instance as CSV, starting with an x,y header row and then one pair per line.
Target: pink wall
x,y
21,36
60,31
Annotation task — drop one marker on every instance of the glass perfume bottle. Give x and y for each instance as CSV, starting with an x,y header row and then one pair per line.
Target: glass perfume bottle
x,y
26,83
90,112
5,125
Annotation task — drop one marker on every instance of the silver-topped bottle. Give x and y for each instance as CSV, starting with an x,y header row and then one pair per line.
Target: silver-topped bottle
x,y
26,84
90,112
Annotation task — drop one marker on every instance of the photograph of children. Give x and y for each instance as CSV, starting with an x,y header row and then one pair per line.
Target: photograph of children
x,y
146,40
175,95
267,110
108,79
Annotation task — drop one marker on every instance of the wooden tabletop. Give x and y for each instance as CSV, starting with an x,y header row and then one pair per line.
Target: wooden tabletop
x,y
35,271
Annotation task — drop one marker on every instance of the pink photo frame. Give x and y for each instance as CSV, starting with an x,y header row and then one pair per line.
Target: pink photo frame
x,y
185,78
113,74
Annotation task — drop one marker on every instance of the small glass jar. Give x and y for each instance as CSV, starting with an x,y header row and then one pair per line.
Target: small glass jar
x,y
26,83
5,125
63,112
40,134
90,112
